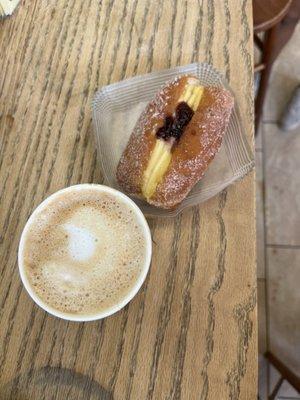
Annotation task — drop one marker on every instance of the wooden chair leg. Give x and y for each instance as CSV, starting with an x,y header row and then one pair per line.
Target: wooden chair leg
x,y
287,26
286,373
275,40
267,60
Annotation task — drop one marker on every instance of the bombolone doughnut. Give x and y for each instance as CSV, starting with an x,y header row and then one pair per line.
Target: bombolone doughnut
x,y
174,140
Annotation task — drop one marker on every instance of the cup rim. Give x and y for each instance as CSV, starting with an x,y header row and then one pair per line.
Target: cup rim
x,y
138,284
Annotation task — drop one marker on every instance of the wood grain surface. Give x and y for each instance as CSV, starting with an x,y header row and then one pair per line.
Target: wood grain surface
x,y
190,333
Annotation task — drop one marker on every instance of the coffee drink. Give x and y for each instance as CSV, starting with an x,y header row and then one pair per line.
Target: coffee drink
x,y
84,250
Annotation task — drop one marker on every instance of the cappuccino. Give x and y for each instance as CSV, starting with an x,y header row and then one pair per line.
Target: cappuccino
x,y
85,251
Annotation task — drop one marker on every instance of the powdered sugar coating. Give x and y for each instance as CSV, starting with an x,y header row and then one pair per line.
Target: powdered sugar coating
x,y
197,147
142,140
191,155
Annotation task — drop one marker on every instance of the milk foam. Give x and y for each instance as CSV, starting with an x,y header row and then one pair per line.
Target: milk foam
x,y
84,251
81,242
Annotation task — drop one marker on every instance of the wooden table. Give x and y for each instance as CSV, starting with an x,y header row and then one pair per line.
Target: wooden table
x,y
191,331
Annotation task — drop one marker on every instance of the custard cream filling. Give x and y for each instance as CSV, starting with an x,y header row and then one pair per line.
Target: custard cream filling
x,y
161,154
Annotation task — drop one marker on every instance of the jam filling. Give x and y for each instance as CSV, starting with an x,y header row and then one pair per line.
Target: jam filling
x,y
174,125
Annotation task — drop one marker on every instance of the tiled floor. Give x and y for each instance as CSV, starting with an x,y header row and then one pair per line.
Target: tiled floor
x,y
278,228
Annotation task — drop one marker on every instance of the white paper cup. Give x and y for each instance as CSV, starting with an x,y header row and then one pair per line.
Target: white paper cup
x,y
147,236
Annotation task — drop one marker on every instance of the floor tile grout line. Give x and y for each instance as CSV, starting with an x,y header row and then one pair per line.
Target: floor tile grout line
x,y
261,279
288,398
282,246
266,269
270,122
264,199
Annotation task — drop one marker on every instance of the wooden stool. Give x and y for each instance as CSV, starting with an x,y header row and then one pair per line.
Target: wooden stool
x,y
277,19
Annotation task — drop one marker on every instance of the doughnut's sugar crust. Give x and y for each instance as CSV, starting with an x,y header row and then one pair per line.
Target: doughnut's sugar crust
x,y
141,143
191,155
